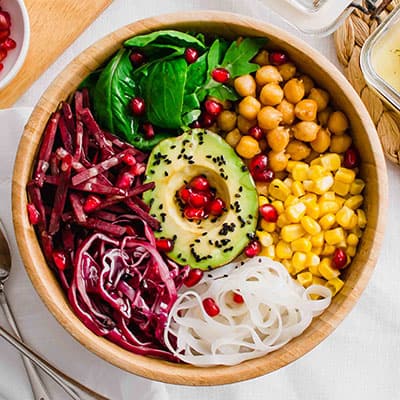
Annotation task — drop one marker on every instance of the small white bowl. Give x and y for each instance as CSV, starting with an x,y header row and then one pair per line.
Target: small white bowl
x,y
20,32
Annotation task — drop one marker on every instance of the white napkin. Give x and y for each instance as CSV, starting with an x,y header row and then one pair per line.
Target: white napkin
x,y
38,327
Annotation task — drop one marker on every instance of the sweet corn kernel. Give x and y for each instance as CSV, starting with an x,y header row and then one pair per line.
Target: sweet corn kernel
x,y
283,250
305,278
327,221
340,200
265,238
351,251
268,226
328,250
316,161
309,198
301,244
312,260
318,239
341,188
300,171
268,251
292,232
328,207
357,231
290,165
308,185
323,184
248,147
334,285
334,236
352,239
289,266
313,210
326,270
288,182
357,186
342,244
262,200
344,217
295,212
299,261
310,225
345,175
316,172
331,161
317,250
298,189
328,196
278,190
275,237
282,221
354,202
314,270
290,200
318,280
279,207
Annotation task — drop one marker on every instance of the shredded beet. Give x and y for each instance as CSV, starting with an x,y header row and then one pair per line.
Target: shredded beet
x,y
96,232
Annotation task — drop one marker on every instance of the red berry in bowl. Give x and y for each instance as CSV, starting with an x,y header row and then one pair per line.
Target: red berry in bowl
x,y
252,249
194,213
268,212
210,307
5,21
237,298
351,158
217,207
198,200
184,194
3,54
278,58
256,132
137,58
148,130
8,44
138,106
213,107
194,277
206,120
200,183
220,75
60,259
191,55
339,259
164,245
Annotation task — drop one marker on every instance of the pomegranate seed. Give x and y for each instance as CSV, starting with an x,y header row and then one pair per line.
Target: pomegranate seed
x,y
91,203
129,159
184,194
220,75
194,213
60,259
125,180
130,231
213,107
8,44
217,207
252,249
264,176
278,58
196,124
268,212
198,200
148,131
194,277
137,58
164,245
210,307
206,120
237,298
1,66
3,54
200,183
4,35
138,106
4,22
351,158
33,214
339,259
256,132
191,55
258,163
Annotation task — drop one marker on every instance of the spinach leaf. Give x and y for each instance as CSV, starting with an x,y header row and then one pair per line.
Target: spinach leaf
x,y
197,73
163,93
112,94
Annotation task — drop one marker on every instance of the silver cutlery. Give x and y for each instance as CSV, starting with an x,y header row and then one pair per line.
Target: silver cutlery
x,y
28,355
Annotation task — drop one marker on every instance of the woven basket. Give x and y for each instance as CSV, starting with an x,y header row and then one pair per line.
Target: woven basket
x,y
349,39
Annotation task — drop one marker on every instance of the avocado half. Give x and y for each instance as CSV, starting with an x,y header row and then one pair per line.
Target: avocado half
x,y
212,242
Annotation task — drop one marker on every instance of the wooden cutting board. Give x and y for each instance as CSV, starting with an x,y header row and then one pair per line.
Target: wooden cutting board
x,y
55,24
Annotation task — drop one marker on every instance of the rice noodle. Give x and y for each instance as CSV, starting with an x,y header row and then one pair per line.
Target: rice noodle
x,y
276,308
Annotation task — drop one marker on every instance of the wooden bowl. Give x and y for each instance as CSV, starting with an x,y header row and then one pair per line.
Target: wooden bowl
x,y
373,170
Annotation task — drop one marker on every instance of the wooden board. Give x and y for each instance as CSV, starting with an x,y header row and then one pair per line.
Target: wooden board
x,y
54,25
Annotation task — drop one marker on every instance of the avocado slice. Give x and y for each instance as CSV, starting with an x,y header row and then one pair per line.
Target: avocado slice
x,y
212,242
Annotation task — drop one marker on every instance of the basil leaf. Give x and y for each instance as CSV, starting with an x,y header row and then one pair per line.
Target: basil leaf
x,y
163,93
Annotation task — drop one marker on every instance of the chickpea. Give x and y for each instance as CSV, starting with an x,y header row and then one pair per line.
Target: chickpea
x,y
287,71
323,116
322,142
233,137
294,90
312,156
245,85
340,143
267,74
338,122
261,58
244,124
306,131
277,161
308,84
271,94
226,121
249,107
306,110
287,110
321,97
278,138
269,118
298,150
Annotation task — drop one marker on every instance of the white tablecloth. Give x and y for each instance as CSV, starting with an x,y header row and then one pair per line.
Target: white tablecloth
x,y
358,361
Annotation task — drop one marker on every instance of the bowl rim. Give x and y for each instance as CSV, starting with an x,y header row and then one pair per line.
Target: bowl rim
x,y
24,48
145,366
